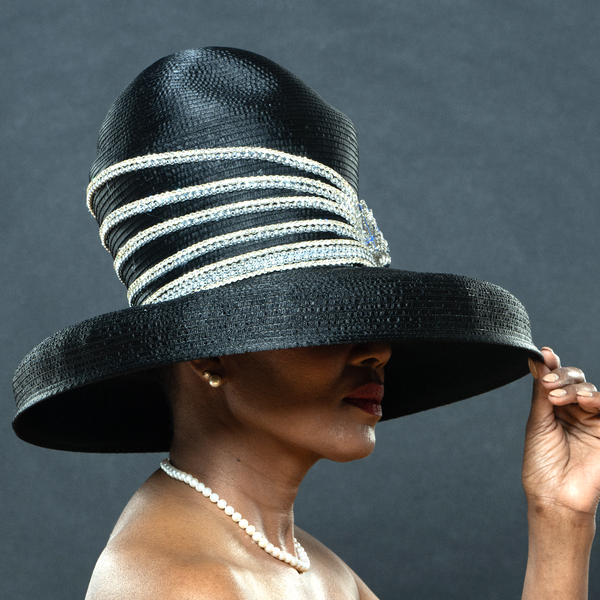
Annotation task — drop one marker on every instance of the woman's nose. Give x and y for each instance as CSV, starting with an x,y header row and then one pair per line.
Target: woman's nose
x,y
370,354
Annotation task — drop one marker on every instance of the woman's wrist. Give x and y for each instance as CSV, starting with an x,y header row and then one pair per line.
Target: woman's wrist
x,y
548,518
560,542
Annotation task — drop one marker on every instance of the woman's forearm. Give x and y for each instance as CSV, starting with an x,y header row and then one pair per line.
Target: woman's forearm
x,y
560,542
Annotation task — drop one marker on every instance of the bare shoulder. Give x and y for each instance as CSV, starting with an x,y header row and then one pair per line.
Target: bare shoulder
x,y
132,572
322,558
169,550
157,550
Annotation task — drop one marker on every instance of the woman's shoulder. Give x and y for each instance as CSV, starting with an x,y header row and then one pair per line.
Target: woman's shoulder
x,y
136,567
161,549
132,571
143,573
155,552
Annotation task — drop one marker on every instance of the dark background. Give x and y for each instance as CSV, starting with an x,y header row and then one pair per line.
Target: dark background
x,y
479,131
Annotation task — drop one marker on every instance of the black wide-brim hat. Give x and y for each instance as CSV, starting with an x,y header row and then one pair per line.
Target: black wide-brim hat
x,y
226,192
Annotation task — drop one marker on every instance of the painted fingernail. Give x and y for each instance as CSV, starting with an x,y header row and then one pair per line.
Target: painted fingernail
x,y
558,393
550,378
532,368
585,393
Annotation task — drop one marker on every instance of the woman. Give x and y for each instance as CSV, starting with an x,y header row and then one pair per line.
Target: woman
x,y
263,324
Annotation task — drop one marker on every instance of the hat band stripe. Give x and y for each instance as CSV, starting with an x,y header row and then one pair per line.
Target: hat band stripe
x,y
213,154
367,245
217,213
238,184
238,237
300,255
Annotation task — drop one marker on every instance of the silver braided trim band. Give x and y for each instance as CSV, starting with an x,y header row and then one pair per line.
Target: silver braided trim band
x,y
215,214
348,208
253,234
363,243
319,253
211,154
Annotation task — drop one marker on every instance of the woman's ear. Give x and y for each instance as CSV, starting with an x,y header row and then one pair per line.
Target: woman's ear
x,y
209,369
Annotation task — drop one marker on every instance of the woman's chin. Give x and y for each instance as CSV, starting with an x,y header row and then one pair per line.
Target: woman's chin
x,y
353,447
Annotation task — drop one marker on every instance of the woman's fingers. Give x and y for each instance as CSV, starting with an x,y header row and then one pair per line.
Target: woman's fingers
x,y
551,359
540,369
585,396
563,385
562,377
589,400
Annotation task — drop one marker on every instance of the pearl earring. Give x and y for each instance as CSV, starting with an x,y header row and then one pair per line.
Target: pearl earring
x,y
213,380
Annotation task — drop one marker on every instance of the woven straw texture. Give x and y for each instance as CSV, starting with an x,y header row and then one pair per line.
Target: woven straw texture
x,y
93,386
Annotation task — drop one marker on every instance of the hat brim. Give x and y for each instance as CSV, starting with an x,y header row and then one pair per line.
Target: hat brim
x,y
92,387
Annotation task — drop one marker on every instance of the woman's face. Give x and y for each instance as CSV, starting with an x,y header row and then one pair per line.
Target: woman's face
x,y
323,400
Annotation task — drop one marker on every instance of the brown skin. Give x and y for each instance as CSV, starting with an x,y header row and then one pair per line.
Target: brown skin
x,y
561,477
254,438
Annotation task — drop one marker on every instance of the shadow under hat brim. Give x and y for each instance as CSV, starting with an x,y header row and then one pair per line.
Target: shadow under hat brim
x,y
93,387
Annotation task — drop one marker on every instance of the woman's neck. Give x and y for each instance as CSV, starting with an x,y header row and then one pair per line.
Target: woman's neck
x,y
257,477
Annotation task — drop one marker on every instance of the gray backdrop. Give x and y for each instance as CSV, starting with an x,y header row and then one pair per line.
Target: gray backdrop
x,y
478,123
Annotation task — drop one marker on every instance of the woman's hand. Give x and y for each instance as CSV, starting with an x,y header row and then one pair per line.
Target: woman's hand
x,y
561,465
561,477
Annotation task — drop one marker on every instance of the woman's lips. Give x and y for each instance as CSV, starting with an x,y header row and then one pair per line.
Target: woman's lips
x,y
367,398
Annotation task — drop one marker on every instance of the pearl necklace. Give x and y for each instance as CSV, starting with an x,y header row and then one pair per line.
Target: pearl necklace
x,y
301,563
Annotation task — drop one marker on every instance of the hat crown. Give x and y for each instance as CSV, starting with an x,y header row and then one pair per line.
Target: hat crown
x,y
216,165
223,97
